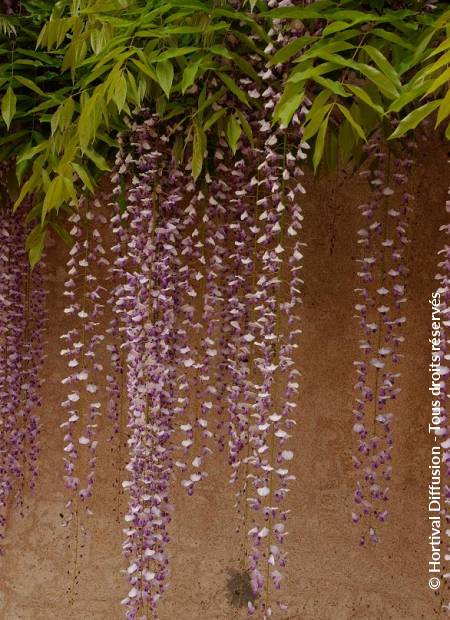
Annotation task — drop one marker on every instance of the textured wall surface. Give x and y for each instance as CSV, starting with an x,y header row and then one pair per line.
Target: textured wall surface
x,y
329,577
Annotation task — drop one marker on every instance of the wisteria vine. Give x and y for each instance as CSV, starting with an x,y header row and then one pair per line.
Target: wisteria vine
x,y
22,327
382,272
205,283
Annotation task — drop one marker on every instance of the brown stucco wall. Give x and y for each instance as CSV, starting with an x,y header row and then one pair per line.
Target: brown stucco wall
x,y
329,577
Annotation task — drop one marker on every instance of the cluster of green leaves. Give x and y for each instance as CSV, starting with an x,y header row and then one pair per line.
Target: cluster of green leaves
x,y
367,70
73,73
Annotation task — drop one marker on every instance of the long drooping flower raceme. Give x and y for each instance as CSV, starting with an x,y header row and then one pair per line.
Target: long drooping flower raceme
x,y
382,273
263,316
277,224
85,308
22,325
149,304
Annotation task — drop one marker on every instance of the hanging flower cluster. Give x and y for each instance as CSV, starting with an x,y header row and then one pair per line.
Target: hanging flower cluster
x,y
85,309
264,379
233,246
382,273
22,327
148,302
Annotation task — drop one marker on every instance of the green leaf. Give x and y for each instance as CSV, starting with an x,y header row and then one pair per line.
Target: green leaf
x,y
63,234
391,37
97,159
346,141
444,109
440,48
175,53
211,100
220,50
320,144
31,85
290,49
145,69
245,126
331,151
164,73
214,118
189,75
412,119
335,87
407,97
337,26
35,244
198,150
319,101
321,48
245,67
287,106
440,62
30,153
314,121
84,176
383,64
233,87
386,86
438,82
120,91
356,126
178,148
365,97
27,188
62,117
374,75
234,131
9,100
89,119
55,196
300,74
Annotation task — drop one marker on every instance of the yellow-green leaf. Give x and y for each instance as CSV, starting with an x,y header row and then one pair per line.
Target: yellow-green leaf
x,y
84,176
30,84
383,64
35,244
29,153
55,196
119,90
444,109
27,188
356,126
9,100
214,118
291,49
415,117
320,143
314,121
287,106
164,73
365,97
189,75
234,88
97,159
438,82
198,150
245,126
233,132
